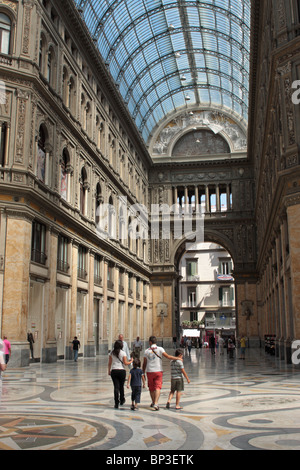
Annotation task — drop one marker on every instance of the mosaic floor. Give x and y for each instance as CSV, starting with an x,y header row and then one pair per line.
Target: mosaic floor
x,y
230,404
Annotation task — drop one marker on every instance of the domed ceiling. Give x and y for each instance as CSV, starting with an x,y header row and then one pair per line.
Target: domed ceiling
x,y
167,56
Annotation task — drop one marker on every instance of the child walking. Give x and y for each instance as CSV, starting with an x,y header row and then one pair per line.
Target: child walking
x,y
135,379
177,384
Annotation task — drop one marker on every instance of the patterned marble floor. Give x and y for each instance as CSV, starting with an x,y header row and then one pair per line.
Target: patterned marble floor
x,y
230,404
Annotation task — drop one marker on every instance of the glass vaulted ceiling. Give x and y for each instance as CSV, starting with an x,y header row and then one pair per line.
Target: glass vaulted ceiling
x,y
165,55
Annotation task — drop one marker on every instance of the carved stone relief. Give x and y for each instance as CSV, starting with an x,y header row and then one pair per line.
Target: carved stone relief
x,y
214,121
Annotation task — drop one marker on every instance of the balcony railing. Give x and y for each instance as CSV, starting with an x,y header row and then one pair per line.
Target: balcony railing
x,y
97,279
81,273
38,257
62,266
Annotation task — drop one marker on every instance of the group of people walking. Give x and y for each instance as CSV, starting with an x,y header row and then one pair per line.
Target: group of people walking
x,y
152,370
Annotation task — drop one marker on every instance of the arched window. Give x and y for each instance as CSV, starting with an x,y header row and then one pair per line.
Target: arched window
x,y
50,67
100,133
65,90
98,201
71,99
122,232
111,218
83,186
41,155
5,33
129,234
137,243
83,111
64,178
41,54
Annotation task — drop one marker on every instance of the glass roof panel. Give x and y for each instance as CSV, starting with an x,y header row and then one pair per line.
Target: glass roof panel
x,y
161,51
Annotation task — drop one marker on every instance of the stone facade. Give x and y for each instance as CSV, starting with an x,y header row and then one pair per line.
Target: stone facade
x,y
274,153
75,255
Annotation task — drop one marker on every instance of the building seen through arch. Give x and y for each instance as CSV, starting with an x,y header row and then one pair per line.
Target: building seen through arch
x,y
128,129
207,293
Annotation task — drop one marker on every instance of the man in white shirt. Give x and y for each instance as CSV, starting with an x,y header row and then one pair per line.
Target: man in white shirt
x,y
153,366
125,346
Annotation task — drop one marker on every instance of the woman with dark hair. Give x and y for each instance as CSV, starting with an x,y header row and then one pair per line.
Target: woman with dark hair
x,y
116,369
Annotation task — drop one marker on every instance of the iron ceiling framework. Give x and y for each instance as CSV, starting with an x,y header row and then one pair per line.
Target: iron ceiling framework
x,y
166,55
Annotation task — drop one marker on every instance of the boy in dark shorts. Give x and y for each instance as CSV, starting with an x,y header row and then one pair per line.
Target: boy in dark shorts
x,y
177,385
135,379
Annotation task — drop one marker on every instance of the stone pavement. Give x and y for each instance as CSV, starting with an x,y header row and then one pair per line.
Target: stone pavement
x,y
230,404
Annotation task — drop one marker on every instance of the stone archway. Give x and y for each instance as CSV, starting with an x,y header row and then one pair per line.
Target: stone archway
x,y
165,289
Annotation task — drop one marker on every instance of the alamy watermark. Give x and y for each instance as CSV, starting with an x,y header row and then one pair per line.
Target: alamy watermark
x,y
296,353
296,94
122,221
2,92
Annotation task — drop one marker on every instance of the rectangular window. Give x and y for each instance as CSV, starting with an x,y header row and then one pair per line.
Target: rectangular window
x,y
81,266
226,296
5,30
110,276
191,268
130,282
97,270
38,243
225,267
192,297
62,254
193,316
3,136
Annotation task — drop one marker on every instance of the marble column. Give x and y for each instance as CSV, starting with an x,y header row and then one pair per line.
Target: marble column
x,y
90,347
49,351
71,321
16,285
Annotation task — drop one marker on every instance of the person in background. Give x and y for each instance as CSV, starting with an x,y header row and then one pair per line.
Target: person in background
x,y
7,349
31,342
243,347
189,345
137,347
125,345
221,345
212,344
2,365
76,346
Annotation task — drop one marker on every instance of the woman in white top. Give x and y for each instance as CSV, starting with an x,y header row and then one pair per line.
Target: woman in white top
x,y
116,369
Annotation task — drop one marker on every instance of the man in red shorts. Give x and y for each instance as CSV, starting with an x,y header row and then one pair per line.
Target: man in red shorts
x,y
153,366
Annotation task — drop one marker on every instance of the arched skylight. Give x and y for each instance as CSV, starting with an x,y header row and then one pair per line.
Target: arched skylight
x,y
169,54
